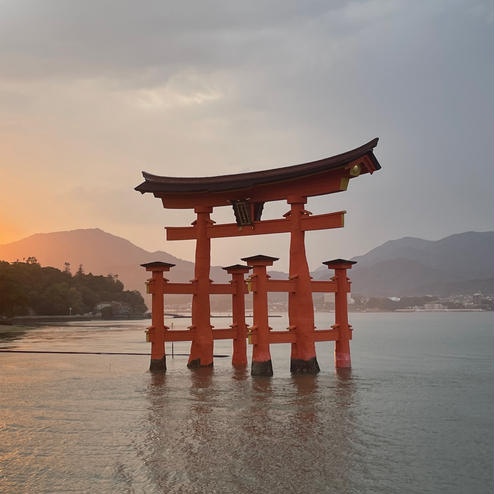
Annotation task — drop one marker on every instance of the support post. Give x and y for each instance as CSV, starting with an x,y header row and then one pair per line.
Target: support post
x,y
261,356
237,271
342,344
156,332
201,349
300,303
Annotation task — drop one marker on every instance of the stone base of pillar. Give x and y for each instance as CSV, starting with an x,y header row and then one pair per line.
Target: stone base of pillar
x,y
158,365
196,364
299,366
262,368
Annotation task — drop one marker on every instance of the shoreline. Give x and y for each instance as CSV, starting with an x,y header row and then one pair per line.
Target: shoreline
x,y
27,321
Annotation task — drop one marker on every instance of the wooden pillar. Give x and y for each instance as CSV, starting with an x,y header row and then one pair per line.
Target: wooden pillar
x,y
300,304
201,349
156,331
261,357
239,358
342,344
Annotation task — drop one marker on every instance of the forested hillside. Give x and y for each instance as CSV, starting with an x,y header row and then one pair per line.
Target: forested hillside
x,y
28,288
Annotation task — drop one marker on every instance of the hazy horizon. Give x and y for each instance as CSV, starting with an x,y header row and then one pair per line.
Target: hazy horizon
x,y
91,95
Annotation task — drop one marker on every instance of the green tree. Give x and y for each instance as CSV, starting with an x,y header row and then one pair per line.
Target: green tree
x,y
27,287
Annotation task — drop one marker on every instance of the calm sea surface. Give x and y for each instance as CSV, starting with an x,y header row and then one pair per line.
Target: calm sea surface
x,y
415,415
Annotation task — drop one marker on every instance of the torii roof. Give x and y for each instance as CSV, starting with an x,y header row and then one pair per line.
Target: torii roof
x,y
160,184
320,177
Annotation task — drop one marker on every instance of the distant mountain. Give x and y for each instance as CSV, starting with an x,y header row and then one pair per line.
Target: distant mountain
x,y
458,264
100,253
461,263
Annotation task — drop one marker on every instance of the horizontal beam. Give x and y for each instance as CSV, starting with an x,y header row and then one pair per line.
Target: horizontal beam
x,y
273,336
258,228
326,335
291,336
228,289
281,286
179,288
323,286
181,232
289,286
178,335
323,221
282,337
190,288
224,334
317,222
221,288
186,334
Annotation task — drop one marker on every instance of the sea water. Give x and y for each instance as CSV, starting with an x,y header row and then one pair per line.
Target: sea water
x,y
415,415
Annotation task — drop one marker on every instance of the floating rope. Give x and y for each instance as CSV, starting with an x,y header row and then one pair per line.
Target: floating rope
x,y
94,353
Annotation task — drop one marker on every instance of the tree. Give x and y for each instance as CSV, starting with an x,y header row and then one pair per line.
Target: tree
x,y
27,287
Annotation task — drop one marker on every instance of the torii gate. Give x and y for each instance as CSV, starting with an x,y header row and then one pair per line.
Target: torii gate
x,y
247,193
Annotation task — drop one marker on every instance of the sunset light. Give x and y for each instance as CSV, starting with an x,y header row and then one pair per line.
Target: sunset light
x,y
246,246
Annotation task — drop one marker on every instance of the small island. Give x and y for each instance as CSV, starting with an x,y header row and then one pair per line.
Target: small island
x,y
28,289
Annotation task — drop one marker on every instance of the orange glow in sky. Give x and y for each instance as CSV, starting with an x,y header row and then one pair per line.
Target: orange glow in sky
x,y
9,232
86,105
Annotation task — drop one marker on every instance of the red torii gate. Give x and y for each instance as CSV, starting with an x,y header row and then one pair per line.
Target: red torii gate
x,y
247,193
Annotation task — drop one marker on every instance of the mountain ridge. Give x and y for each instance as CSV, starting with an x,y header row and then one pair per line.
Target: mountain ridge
x,y
99,252
455,264
404,266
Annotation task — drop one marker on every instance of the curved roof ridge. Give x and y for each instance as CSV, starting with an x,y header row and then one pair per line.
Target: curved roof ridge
x,y
155,183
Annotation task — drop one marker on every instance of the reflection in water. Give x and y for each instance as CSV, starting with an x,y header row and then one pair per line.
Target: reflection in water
x,y
153,448
201,397
256,422
8,336
306,387
211,432
240,373
344,373
103,424
201,378
158,379
345,390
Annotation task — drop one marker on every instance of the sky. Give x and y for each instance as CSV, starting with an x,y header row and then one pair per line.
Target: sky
x,y
92,93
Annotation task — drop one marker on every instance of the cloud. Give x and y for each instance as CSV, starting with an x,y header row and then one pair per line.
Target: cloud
x,y
182,90
113,37
93,93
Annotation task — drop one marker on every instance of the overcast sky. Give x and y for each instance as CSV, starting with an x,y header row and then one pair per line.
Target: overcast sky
x,y
93,92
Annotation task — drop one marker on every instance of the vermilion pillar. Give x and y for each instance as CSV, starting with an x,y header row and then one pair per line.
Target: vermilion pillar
x,y
201,350
157,329
342,344
261,357
238,271
300,304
